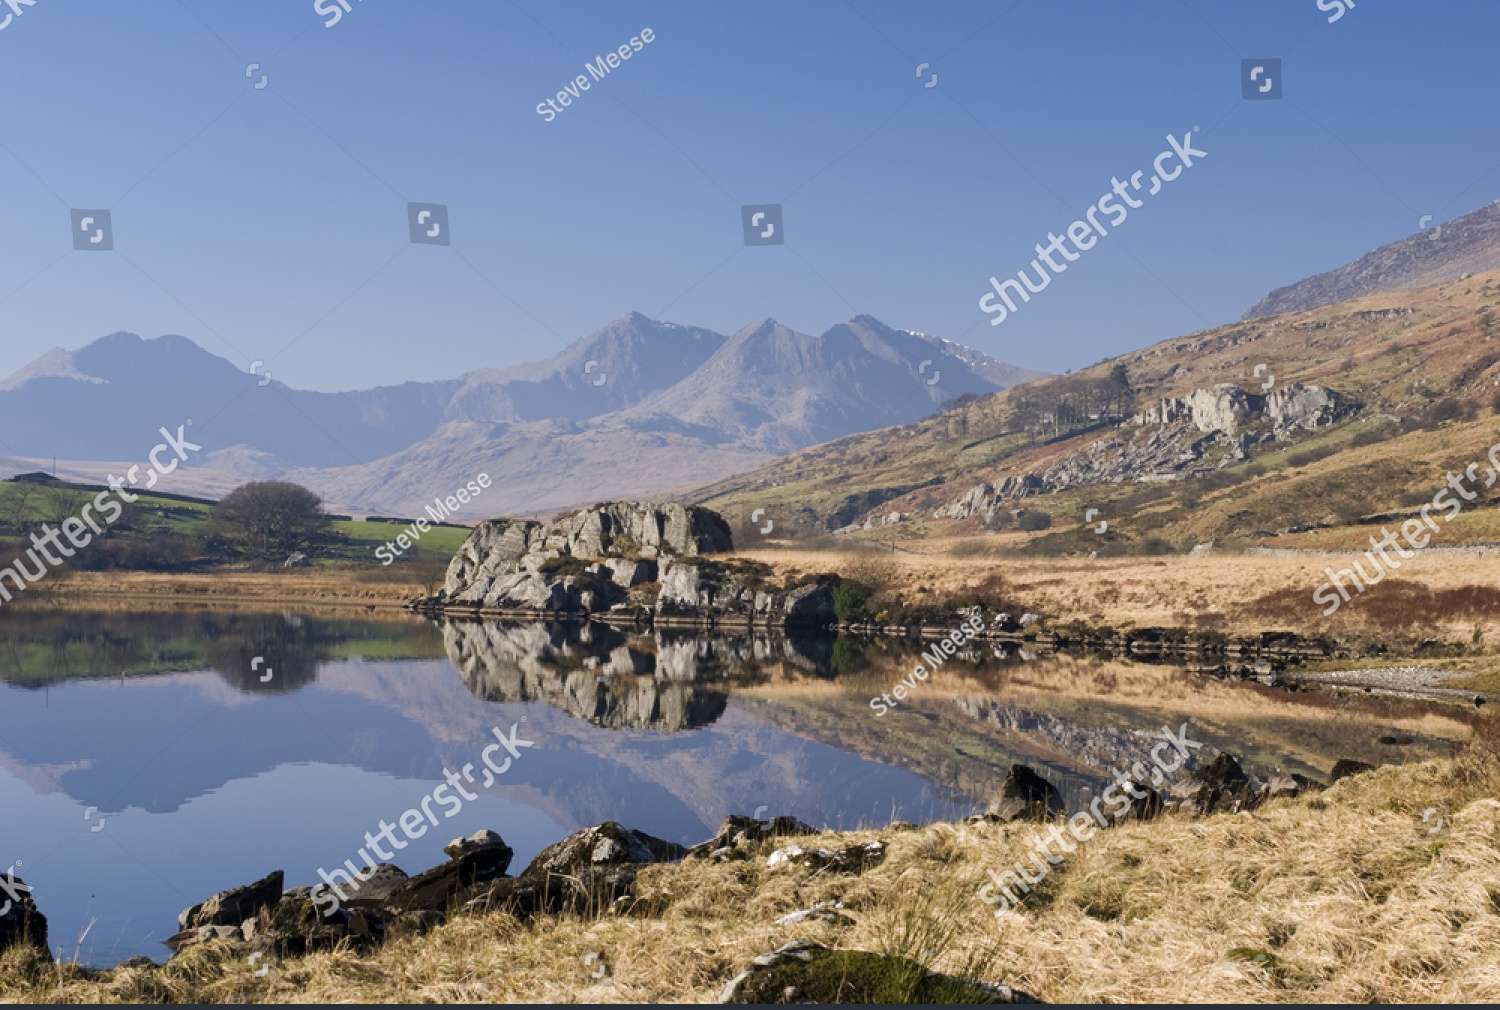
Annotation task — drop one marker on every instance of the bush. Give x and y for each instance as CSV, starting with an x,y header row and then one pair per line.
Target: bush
x,y
851,601
1034,521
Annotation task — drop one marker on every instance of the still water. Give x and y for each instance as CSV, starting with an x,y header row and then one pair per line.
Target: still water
x,y
148,760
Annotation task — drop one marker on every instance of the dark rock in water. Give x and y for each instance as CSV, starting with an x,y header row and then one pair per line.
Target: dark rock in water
x,y
806,972
606,844
1026,796
1344,767
851,859
738,830
21,922
480,858
1220,785
234,906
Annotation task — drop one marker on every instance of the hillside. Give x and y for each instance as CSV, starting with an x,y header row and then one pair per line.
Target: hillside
x,y
1258,430
1467,244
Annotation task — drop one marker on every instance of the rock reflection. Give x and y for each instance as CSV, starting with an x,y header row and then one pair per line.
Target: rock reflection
x,y
621,679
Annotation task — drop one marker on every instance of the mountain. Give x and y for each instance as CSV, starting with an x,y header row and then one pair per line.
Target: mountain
x,y
107,400
639,406
778,390
1256,431
1468,244
610,369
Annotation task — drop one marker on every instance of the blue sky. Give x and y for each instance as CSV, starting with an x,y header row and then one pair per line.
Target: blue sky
x,y
270,224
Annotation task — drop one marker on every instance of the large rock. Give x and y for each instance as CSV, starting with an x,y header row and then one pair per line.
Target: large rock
x,y
480,858
743,591
807,972
1220,785
21,922
1026,796
587,872
527,565
234,906
739,830
607,844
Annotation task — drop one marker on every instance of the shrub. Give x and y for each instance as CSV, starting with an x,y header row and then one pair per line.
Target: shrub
x,y
851,601
1034,521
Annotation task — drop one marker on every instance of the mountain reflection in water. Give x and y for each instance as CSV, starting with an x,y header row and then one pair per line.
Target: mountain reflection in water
x,y
209,748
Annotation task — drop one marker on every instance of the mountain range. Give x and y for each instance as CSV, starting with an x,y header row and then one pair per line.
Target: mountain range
x,y
638,407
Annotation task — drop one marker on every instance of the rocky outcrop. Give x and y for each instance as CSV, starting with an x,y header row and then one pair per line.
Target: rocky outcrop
x,y
1227,409
634,561
1172,438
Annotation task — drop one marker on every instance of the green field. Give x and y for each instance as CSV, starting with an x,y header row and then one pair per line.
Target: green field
x,y
24,503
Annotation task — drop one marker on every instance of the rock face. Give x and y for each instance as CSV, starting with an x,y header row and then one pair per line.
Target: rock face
x,y
807,972
635,561
1171,439
620,530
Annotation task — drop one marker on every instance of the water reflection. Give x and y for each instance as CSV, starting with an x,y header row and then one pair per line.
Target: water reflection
x,y
666,681
207,772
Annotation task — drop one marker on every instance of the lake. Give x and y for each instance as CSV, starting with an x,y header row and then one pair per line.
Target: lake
x,y
150,759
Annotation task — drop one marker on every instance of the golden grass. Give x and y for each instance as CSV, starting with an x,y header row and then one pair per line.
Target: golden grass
x,y
332,588
1219,590
1345,896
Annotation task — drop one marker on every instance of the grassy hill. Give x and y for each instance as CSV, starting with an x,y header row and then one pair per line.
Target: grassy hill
x,y
156,518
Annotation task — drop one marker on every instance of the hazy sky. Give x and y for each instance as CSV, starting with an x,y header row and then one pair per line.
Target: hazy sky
x,y
270,224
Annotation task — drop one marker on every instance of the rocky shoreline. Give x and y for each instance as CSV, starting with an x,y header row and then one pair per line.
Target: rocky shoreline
x,y
594,871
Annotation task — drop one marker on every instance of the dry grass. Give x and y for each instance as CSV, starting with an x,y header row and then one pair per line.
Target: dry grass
x,y
322,587
1238,593
1348,896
